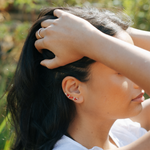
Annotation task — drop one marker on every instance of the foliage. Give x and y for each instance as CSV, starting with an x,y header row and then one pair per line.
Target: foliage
x,y
13,32
139,11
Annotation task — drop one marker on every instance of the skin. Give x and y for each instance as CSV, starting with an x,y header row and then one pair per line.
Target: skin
x,y
131,61
94,104
140,38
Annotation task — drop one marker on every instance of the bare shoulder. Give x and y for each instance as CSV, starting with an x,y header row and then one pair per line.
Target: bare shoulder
x,y
144,117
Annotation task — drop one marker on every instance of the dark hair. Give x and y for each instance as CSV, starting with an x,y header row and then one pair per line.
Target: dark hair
x,y
40,111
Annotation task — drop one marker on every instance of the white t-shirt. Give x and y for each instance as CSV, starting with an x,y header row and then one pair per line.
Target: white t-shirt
x,y
123,132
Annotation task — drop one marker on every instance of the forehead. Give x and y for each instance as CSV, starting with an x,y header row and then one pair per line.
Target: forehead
x,y
105,71
124,36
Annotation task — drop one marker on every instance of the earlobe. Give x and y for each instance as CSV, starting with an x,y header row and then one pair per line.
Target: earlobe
x,y
72,89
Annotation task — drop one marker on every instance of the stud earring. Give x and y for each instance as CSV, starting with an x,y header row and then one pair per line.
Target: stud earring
x,y
71,97
75,98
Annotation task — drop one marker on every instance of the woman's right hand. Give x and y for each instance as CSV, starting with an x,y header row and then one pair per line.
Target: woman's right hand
x,y
67,37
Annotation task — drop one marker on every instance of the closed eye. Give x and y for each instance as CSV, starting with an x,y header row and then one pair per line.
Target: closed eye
x,y
119,73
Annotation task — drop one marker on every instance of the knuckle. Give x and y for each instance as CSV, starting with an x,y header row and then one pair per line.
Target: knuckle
x,y
58,63
36,44
45,43
55,22
44,23
36,35
49,66
48,30
63,16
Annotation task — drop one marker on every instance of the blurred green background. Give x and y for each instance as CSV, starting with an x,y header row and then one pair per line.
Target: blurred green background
x,y
16,17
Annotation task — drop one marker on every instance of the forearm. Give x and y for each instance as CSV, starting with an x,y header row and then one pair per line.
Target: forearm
x,y
78,38
143,117
140,38
131,61
142,143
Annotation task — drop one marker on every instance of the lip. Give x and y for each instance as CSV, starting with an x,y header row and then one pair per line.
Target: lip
x,y
140,98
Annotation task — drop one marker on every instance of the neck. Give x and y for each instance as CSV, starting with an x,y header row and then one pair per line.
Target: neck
x,y
90,133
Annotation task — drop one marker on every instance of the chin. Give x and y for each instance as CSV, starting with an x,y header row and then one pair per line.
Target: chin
x,y
133,112
136,111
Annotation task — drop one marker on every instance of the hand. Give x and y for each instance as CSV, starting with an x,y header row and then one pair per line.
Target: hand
x,y
141,38
67,37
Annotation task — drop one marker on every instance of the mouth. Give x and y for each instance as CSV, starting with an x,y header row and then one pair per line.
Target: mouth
x,y
140,98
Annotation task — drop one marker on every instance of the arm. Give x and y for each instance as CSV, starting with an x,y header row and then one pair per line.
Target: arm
x,y
143,118
140,144
140,38
132,61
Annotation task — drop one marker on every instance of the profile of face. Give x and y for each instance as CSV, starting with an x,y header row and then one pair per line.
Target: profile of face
x,y
38,94
107,94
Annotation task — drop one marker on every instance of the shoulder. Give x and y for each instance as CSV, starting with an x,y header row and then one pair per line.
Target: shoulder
x,y
143,118
66,143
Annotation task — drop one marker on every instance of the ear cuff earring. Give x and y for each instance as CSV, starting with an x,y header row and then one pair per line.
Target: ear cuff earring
x,y
71,97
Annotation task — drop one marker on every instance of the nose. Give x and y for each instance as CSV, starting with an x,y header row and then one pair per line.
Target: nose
x,y
136,86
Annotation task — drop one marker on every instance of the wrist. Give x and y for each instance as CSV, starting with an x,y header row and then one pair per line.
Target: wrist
x,y
94,38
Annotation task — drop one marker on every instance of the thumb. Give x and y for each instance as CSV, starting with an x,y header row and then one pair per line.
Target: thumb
x,y
50,63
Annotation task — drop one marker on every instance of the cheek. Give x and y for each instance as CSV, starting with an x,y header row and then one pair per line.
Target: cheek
x,y
120,95
106,96
117,88
117,94
120,85
125,85
99,88
109,87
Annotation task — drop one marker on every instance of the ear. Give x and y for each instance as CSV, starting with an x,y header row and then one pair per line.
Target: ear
x,y
73,89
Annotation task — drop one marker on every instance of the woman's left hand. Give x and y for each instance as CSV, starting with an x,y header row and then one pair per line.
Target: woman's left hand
x,y
67,37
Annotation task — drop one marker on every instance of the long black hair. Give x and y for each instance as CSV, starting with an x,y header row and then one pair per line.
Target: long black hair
x,y
40,111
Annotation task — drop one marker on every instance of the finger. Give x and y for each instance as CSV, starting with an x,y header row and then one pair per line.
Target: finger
x,y
39,45
47,23
58,13
50,63
40,33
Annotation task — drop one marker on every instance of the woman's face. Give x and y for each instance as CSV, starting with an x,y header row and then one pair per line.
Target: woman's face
x,y
108,93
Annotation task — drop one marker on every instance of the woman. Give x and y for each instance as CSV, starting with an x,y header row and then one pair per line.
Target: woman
x,y
74,106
